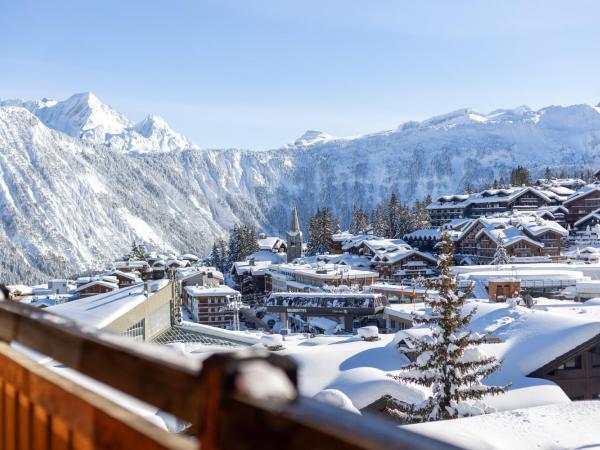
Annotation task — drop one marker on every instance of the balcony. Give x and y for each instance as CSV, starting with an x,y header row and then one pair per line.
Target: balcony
x,y
220,400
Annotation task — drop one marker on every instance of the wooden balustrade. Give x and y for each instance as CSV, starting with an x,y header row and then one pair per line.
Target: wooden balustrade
x,y
43,410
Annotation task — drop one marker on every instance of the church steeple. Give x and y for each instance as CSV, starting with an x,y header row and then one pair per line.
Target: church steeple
x,y
295,223
294,238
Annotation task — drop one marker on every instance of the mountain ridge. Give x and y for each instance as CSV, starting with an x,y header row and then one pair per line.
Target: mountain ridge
x,y
70,203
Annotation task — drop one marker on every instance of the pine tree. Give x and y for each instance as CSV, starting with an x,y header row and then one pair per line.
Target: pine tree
x,y
138,251
243,241
501,255
396,216
379,222
520,176
218,256
360,221
449,361
321,228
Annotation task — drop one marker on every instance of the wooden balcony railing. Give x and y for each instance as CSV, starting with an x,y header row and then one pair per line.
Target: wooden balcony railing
x,y
43,410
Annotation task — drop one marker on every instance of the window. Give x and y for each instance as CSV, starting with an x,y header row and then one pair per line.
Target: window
x,y
136,331
595,356
572,364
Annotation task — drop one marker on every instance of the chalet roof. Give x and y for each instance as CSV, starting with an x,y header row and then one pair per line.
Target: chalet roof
x,y
489,196
583,192
189,272
206,291
97,283
424,233
102,309
270,242
587,345
593,215
399,255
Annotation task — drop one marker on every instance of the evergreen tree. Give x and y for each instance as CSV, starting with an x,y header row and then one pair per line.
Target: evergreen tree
x,y
360,221
321,228
449,361
397,214
548,173
219,256
500,256
138,251
379,222
243,241
420,217
520,176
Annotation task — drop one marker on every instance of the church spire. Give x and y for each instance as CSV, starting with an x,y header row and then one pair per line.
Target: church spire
x,y
295,222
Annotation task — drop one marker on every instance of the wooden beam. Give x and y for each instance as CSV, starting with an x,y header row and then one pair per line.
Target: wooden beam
x,y
63,413
169,382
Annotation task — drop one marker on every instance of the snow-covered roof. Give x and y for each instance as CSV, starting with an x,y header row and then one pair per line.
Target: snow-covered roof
x,y
424,233
400,254
270,242
593,215
586,190
551,426
348,259
324,271
188,272
503,195
103,309
102,283
209,291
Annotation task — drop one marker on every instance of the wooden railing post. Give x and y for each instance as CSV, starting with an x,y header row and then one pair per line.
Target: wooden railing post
x,y
251,401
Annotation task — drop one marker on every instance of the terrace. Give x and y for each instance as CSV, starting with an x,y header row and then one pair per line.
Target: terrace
x,y
223,406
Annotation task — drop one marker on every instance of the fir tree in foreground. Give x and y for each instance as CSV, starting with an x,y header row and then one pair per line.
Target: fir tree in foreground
x,y
501,255
449,360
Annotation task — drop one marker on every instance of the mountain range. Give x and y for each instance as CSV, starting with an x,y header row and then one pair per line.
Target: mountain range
x,y
79,181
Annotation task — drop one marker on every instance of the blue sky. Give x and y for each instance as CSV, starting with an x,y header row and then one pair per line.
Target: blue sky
x,y
257,74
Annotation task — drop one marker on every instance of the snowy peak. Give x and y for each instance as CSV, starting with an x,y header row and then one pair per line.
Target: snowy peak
x,y
151,135
86,117
312,137
82,115
152,124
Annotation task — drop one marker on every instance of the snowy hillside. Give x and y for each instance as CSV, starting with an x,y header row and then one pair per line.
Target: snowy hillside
x,y
78,181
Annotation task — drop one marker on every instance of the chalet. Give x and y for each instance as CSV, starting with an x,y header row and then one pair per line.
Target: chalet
x,y
582,203
577,371
524,235
96,287
249,275
190,257
402,264
198,276
125,279
311,277
424,239
159,270
589,221
211,305
489,202
132,266
272,244
338,240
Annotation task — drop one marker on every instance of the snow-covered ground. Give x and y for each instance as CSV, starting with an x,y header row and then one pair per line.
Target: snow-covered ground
x,y
561,426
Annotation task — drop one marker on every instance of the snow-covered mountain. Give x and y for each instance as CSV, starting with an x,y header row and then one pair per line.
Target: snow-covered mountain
x,y
69,201
85,116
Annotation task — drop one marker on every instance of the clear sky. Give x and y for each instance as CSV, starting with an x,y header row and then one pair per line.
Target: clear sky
x,y
257,74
